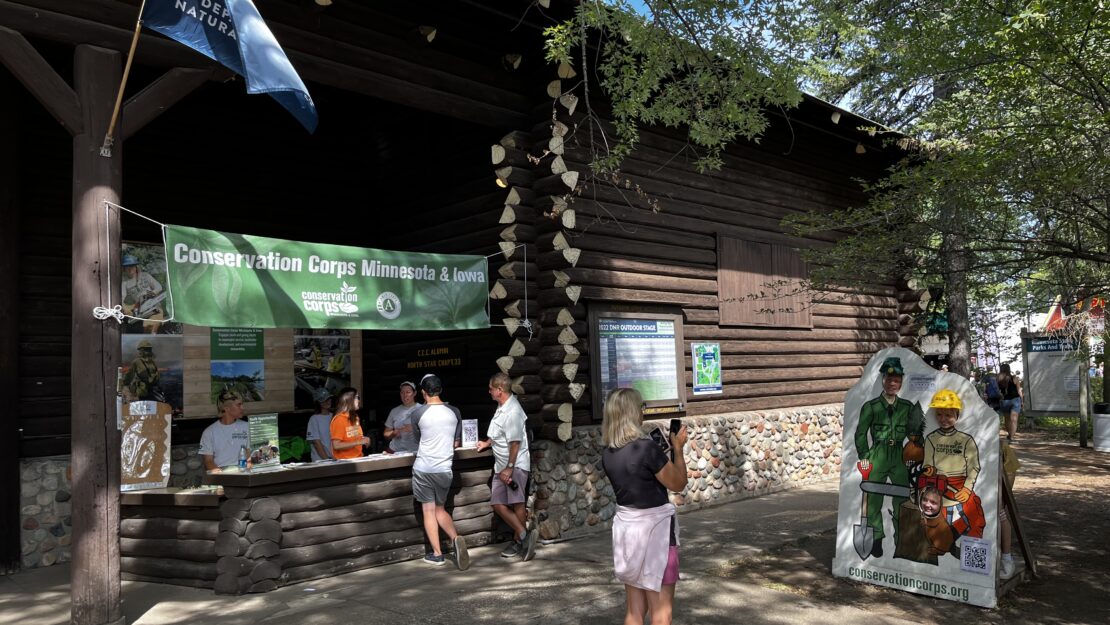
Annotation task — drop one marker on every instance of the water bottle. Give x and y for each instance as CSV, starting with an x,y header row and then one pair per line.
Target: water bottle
x,y
243,458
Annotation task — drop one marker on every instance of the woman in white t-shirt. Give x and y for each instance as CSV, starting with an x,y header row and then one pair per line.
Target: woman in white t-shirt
x,y
319,435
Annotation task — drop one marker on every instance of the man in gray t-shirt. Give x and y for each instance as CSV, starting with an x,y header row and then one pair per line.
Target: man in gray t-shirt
x,y
398,425
220,442
438,429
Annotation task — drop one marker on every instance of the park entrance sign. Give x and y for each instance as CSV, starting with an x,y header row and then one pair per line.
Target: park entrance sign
x,y
918,502
221,279
1054,373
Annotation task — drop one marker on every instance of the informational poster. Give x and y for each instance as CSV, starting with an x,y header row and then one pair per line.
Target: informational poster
x,y
143,290
469,433
239,363
707,368
264,440
153,369
1053,373
919,498
321,359
145,445
639,353
152,347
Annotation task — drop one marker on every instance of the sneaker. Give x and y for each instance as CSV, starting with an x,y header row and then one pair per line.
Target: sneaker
x,y
512,550
462,556
530,545
435,560
1007,568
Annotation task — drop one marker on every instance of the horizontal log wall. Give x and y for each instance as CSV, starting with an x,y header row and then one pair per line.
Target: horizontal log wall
x,y
295,531
169,544
649,236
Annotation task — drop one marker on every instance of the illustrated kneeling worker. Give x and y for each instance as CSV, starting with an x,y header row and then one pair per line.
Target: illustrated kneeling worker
x,y
885,424
951,466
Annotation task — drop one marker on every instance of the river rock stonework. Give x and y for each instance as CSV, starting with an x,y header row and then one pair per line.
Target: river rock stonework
x,y
45,509
728,457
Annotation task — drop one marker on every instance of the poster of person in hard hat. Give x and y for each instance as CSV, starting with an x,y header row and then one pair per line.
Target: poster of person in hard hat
x,y
940,528
142,296
154,369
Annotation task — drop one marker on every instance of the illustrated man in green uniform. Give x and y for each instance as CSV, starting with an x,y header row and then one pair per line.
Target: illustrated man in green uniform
x,y
889,420
142,377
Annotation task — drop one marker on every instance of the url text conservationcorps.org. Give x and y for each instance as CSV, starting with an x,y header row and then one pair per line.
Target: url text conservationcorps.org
x,y
903,581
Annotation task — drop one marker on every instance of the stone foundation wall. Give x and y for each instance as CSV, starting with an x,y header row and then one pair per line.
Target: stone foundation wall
x,y
45,509
45,506
728,457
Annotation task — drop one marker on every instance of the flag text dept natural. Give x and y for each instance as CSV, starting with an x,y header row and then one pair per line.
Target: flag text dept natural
x,y
224,279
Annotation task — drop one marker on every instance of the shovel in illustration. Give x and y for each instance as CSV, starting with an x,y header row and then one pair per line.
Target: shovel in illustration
x,y
863,535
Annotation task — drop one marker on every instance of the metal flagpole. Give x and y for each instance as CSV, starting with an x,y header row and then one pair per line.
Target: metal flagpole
x,y
106,148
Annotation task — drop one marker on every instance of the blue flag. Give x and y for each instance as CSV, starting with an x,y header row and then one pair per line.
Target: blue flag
x,y
233,33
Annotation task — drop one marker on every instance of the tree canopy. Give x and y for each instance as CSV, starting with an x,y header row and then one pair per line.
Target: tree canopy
x,y
1003,107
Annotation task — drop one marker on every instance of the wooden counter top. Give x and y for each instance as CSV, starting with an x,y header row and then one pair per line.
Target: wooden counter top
x,y
317,470
201,497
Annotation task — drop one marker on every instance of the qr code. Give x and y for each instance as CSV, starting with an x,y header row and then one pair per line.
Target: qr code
x,y
975,555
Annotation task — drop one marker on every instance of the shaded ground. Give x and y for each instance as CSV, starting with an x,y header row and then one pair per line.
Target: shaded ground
x,y
1065,512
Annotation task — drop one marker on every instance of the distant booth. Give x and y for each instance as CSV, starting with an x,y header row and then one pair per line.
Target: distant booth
x,y
441,131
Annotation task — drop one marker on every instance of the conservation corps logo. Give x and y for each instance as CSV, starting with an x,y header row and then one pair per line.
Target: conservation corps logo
x,y
389,305
341,304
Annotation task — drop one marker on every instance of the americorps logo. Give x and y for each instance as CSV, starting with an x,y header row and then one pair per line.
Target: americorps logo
x,y
341,304
389,305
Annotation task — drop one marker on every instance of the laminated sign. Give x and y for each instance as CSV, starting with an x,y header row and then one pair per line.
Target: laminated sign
x,y
144,445
221,279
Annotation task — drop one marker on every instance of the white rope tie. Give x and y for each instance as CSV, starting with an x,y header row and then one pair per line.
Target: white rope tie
x,y
115,312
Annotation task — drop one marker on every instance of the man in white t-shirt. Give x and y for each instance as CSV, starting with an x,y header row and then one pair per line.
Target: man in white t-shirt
x,y
319,426
511,466
220,442
398,425
438,429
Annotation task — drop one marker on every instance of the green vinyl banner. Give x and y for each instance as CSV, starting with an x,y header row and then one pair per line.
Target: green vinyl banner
x,y
221,279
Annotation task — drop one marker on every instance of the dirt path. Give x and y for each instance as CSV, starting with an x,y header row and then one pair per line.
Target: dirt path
x,y
1061,494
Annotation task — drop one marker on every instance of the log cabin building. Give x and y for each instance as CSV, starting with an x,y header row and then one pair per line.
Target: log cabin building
x,y
441,130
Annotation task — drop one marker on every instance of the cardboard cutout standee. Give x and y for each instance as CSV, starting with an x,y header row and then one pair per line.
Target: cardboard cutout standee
x,y
919,482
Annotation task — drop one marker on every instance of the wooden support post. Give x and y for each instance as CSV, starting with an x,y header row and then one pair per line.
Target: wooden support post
x,y
95,351
9,331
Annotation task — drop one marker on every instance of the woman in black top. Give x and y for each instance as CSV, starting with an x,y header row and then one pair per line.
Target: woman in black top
x,y
1010,407
643,556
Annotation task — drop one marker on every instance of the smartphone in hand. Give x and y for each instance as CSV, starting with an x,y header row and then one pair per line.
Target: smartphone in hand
x,y
676,425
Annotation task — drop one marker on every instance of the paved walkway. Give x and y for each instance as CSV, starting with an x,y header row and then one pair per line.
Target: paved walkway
x,y
568,582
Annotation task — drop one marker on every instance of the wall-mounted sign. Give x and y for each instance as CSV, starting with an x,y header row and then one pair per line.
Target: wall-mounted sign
x,y
707,368
643,351
434,355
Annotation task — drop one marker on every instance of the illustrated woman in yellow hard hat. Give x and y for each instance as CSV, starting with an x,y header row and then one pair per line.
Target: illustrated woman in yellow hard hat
x,y
951,466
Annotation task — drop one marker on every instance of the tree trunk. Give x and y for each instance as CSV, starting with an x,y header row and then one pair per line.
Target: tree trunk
x,y
956,261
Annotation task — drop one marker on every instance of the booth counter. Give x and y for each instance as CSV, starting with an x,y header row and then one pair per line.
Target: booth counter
x,y
255,531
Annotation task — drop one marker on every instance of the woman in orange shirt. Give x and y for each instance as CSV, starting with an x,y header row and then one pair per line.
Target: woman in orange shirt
x,y
347,440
